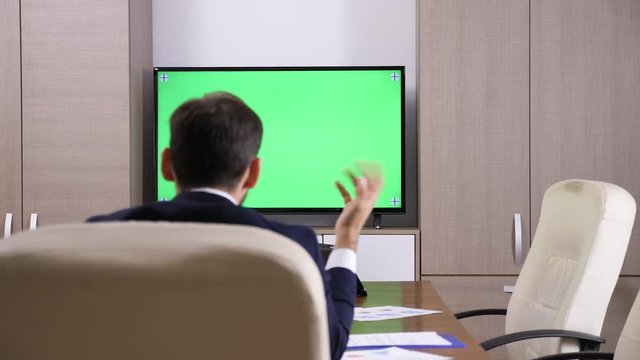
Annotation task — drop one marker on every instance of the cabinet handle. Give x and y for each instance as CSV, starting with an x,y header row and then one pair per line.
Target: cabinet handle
x,y
33,222
8,222
517,239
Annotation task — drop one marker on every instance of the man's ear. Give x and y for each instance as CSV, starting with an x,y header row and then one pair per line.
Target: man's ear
x,y
167,165
254,173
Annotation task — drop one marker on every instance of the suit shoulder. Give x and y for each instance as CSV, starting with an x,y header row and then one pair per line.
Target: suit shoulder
x,y
300,232
143,212
115,216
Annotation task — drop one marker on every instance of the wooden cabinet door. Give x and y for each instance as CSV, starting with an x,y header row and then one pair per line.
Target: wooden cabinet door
x,y
10,122
474,134
585,98
76,108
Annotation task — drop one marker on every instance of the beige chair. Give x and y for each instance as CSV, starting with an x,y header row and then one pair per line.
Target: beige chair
x,y
628,347
565,285
159,291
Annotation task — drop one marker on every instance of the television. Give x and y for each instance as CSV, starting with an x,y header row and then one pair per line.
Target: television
x,y
318,122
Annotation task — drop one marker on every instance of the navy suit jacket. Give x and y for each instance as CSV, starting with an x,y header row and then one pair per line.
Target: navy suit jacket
x,y
339,283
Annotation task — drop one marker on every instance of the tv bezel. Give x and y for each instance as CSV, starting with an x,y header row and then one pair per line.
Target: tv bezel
x,y
298,211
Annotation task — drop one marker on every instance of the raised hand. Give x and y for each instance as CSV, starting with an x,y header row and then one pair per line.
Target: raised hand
x,y
357,210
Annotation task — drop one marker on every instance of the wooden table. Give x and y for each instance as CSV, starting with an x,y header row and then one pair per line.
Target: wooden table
x,y
417,295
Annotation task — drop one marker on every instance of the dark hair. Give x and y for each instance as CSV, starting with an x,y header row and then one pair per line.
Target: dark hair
x,y
213,140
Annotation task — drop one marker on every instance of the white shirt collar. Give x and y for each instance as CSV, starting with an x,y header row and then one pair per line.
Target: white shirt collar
x,y
213,191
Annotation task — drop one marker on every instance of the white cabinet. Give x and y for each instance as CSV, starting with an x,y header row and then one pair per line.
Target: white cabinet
x,y
384,257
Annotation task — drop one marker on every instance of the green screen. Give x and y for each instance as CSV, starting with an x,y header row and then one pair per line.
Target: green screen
x,y
318,122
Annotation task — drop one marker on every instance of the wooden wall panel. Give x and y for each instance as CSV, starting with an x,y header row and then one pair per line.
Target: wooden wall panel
x,y
77,106
474,134
619,306
142,120
10,113
585,98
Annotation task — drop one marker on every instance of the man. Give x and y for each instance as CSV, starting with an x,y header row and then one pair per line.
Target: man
x,y
213,160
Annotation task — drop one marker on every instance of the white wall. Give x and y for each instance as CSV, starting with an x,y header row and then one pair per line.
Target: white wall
x,y
285,32
292,33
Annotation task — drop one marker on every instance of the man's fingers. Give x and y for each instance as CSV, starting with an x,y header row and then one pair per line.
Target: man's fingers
x,y
371,170
367,186
361,187
345,194
353,178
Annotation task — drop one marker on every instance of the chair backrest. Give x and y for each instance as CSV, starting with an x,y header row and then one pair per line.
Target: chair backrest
x,y
572,266
159,291
628,347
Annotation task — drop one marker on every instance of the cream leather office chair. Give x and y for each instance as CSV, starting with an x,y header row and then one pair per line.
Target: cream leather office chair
x,y
628,347
159,291
565,285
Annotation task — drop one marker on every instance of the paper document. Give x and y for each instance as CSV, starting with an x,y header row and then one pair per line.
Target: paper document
x,y
390,353
388,312
423,338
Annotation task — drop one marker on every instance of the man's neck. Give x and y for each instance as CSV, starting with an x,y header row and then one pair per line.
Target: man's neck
x,y
218,192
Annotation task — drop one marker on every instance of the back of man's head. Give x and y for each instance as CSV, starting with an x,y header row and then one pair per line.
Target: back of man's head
x,y
213,141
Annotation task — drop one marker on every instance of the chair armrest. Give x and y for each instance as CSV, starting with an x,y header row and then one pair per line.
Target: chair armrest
x,y
591,355
586,341
470,313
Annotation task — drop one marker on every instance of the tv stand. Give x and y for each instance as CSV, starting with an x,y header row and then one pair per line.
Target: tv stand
x,y
389,254
377,221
